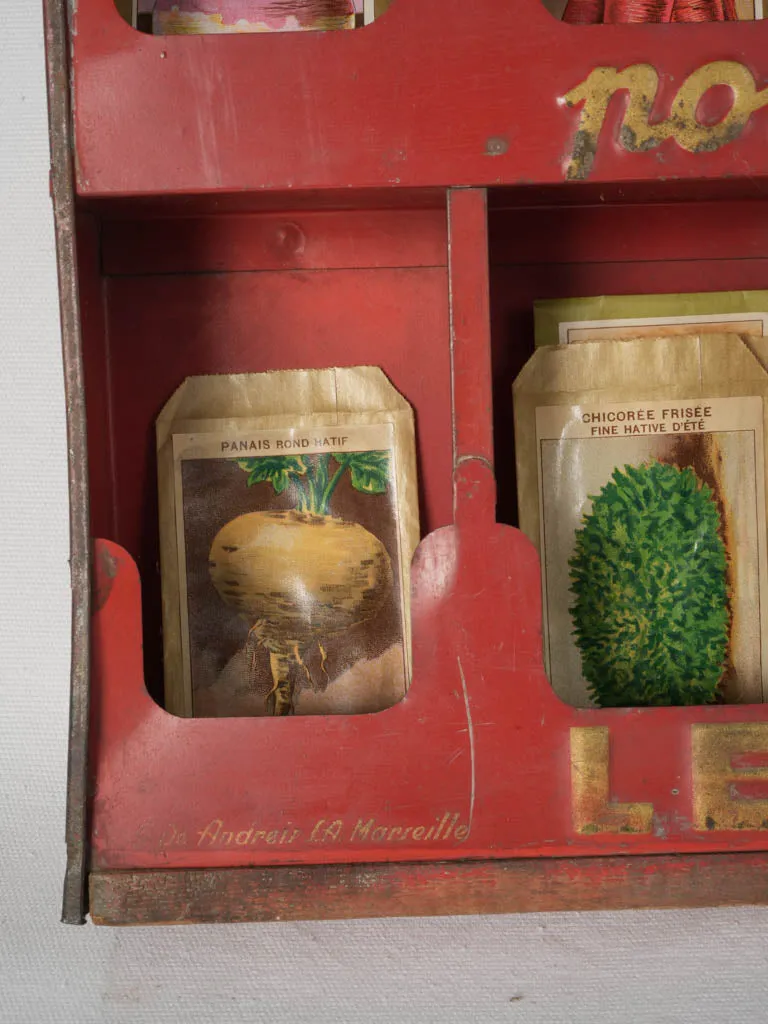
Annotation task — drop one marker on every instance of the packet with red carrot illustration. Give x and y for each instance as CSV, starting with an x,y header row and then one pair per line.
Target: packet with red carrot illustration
x,y
288,520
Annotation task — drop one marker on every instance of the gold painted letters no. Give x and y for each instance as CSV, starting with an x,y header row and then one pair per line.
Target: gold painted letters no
x,y
637,133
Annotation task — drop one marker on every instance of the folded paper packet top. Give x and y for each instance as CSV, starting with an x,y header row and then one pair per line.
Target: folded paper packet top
x,y
612,317
288,520
562,465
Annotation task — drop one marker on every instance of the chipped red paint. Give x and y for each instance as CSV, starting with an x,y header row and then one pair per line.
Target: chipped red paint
x,y
263,201
480,736
474,763
419,98
402,890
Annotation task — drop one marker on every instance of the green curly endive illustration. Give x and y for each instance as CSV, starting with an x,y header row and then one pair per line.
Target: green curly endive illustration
x,y
649,577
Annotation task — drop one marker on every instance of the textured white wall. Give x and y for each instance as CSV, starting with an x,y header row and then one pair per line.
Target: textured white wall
x,y
707,967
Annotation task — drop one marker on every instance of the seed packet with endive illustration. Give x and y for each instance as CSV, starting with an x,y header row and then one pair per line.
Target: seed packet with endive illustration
x,y
642,482
288,520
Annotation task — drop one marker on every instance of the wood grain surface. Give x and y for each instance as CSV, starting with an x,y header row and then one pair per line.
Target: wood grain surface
x,y
406,890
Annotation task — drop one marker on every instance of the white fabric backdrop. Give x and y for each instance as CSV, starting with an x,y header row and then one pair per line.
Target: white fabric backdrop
x,y
707,967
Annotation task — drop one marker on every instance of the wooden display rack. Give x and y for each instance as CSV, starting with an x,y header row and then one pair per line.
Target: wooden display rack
x,y
398,196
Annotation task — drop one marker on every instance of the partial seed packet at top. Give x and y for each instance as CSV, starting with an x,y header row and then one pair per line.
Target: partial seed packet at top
x,y
286,543
614,317
641,469
201,17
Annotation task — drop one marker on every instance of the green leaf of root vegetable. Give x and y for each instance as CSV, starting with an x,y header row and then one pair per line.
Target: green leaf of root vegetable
x,y
369,471
279,470
648,573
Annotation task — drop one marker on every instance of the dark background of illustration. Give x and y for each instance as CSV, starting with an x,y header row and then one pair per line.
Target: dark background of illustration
x,y
215,491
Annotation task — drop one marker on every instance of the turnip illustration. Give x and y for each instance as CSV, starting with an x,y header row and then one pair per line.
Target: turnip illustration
x,y
649,574
301,576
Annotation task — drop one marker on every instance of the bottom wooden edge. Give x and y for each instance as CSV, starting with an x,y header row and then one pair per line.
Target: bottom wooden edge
x,y
339,891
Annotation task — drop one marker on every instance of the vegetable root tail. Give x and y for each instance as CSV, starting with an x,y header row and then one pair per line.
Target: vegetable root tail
x,y
279,700
323,659
252,645
300,661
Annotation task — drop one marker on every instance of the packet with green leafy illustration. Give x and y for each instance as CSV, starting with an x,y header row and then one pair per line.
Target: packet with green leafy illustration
x,y
288,523
641,480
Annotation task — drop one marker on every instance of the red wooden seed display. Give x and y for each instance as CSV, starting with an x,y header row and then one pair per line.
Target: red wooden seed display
x,y
396,196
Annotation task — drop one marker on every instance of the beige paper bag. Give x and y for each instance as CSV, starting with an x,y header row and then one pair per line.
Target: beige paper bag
x,y
605,317
288,520
585,412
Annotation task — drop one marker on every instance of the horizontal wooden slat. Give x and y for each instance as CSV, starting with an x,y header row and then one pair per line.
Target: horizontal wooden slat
x,y
609,233
175,204
361,239
403,890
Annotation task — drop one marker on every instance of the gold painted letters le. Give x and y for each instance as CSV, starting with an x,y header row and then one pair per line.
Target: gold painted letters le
x,y
591,806
637,133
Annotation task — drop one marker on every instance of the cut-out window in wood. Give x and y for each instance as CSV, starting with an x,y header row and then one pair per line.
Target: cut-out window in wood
x,y
593,12
204,17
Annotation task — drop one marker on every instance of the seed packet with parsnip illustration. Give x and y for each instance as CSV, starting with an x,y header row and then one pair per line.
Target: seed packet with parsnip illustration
x,y
286,541
642,481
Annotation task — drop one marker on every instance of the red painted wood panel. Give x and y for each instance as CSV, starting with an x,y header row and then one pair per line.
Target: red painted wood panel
x,y
480,742
402,890
336,200
470,325
281,241
611,233
96,371
428,95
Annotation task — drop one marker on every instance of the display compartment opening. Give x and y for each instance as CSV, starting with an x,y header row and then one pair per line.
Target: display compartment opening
x,y
217,17
172,290
565,273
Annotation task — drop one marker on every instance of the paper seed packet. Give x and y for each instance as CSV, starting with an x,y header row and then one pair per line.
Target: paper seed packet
x,y
641,474
613,317
288,520
204,17
745,10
